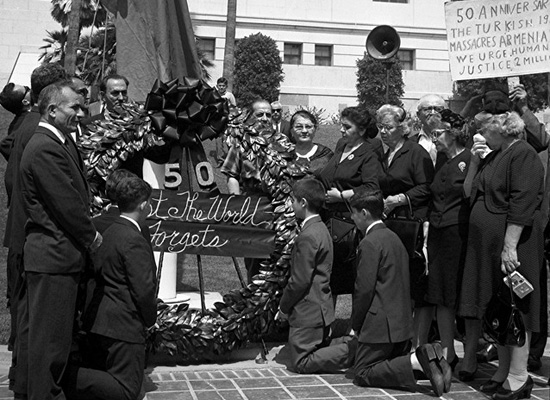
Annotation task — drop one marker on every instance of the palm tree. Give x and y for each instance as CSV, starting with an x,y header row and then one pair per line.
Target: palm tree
x,y
54,50
230,28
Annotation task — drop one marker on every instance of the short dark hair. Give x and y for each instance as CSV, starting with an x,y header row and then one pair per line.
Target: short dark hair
x,y
370,200
113,180
304,114
51,95
44,75
362,118
222,80
12,100
130,192
313,191
103,84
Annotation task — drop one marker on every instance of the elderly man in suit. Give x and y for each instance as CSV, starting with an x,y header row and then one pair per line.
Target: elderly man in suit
x,y
14,236
58,234
428,106
280,125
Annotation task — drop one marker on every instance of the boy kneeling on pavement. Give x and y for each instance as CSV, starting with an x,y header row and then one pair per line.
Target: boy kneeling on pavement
x,y
382,312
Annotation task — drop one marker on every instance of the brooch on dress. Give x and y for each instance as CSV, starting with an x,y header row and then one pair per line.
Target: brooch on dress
x,y
350,157
462,166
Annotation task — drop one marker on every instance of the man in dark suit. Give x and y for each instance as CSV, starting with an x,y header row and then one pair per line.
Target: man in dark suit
x,y
17,100
381,313
280,125
123,305
58,234
14,236
307,301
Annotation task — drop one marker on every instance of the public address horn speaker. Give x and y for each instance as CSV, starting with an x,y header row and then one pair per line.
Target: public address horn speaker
x,y
383,42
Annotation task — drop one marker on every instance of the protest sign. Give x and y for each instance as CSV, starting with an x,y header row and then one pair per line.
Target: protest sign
x,y
221,225
498,38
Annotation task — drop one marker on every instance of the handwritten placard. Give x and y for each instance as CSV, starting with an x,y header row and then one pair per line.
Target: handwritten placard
x,y
222,225
498,38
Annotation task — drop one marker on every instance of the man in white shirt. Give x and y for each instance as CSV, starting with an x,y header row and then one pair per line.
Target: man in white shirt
x,y
428,106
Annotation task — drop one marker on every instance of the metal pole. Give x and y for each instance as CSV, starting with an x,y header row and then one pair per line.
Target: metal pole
x,y
388,65
238,269
201,283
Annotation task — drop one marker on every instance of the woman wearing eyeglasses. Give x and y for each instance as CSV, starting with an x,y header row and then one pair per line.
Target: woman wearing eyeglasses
x,y
407,173
354,165
307,154
448,227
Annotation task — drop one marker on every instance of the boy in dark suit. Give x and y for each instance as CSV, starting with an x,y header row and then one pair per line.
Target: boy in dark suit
x,y
381,313
123,305
307,300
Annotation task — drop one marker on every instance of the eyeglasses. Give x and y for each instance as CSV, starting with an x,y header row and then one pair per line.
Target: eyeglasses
x,y
262,114
437,109
83,92
276,110
382,127
302,127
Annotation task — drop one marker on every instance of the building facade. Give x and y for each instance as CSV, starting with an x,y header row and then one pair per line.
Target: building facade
x,y
321,40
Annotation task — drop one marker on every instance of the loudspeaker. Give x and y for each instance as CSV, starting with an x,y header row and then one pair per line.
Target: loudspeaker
x,y
383,42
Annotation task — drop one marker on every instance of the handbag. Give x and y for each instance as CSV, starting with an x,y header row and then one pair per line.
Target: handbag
x,y
502,322
409,230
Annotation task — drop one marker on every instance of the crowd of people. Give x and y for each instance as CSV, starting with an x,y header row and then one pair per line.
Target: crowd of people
x,y
474,180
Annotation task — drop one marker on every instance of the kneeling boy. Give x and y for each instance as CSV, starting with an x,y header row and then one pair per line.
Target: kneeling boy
x,y
123,305
307,300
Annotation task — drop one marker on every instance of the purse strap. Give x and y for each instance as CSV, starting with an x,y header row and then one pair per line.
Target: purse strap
x,y
346,202
512,302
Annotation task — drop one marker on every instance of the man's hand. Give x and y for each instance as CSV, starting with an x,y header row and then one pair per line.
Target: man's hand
x,y
96,243
281,316
472,107
518,96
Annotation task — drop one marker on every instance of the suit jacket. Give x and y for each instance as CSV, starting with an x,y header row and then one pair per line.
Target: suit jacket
x,y
7,142
382,310
512,182
411,172
107,218
306,297
55,198
124,301
360,169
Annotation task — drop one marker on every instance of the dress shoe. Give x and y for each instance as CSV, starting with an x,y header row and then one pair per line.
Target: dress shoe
x,y
429,361
466,376
445,367
524,392
490,386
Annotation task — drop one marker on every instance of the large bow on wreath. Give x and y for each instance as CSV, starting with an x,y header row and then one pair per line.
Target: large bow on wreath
x,y
188,111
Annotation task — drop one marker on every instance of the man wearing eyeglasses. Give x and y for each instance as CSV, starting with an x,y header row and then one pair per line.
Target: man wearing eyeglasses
x,y
243,175
280,125
428,107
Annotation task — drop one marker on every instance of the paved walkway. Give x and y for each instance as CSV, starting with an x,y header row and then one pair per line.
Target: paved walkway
x,y
245,379
240,377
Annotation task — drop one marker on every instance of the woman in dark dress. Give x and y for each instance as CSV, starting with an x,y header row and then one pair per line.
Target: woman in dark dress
x,y
407,173
505,234
353,166
309,155
447,227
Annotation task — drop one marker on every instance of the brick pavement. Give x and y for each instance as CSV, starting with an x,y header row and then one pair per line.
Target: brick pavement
x,y
239,377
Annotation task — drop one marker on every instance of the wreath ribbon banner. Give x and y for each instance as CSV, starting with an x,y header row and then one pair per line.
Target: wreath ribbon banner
x,y
221,225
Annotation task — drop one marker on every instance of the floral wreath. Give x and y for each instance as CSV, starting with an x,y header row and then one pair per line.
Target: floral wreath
x,y
245,314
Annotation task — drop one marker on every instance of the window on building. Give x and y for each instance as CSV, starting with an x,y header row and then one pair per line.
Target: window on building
x,y
407,58
323,55
208,47
392,1
293,53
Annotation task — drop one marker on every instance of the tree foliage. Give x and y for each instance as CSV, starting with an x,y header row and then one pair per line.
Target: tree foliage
x,y
258,69
536,86
91,13
371,82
